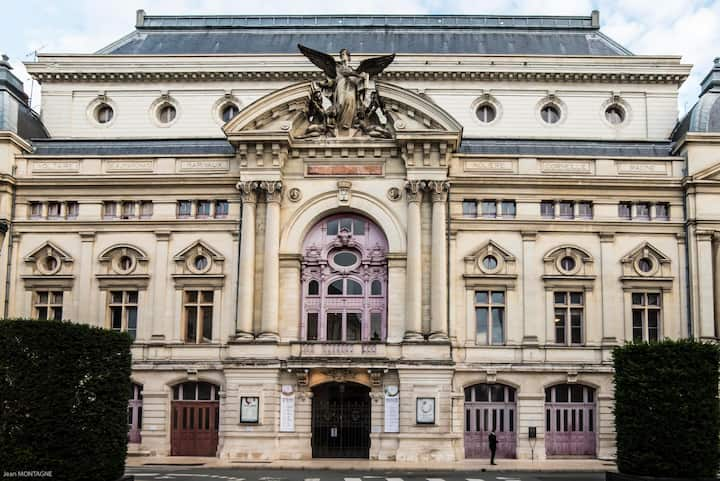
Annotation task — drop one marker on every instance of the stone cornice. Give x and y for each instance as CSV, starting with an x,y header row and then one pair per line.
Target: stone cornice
x,y
131,68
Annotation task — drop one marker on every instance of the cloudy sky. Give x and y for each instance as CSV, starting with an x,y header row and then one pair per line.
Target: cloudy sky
x,y
689,28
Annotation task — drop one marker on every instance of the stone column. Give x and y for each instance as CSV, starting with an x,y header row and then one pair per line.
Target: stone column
x,y
438,280
271,261
413,285
246,274
705,285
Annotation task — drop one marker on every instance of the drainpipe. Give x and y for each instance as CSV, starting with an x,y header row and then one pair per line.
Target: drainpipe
x,y
447,265
8,269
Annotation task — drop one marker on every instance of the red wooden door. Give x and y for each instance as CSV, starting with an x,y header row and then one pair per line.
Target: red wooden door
x,y
570,420
135,414
488,408
194,428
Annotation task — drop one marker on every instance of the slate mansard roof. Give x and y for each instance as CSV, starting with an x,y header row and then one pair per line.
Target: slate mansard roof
x,y
370,34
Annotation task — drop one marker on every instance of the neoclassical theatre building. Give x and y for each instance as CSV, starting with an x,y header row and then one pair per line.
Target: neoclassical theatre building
x,y
325,250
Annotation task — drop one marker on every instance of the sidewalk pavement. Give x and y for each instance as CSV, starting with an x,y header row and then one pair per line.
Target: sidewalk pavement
x,y
597,465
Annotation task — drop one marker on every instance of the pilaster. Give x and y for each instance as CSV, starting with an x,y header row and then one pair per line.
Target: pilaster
x,y
271,261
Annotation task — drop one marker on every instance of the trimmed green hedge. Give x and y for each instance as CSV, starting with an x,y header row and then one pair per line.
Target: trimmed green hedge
x,y
666,408
63,398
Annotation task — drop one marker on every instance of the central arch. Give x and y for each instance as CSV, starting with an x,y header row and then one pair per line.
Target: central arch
x,y
344,281
341,420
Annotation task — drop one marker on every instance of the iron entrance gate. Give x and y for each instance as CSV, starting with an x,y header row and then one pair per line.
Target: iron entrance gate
x,y
488,408
570,420
341,421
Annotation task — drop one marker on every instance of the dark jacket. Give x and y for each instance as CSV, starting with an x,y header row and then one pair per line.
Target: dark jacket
x,y
492,439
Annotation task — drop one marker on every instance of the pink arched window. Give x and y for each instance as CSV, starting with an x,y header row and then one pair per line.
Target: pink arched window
x,y
344,281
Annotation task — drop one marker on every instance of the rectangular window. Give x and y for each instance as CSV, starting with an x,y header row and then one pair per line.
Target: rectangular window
x,y
490,317
662,211
646,313
198,308
203,208
73,208
184,208
53,210
642,210
312,326
489,208
128,210
123,311
469,208
569,314
334,326
146,209
625,210
585,210
48,305
547,209
109,210
508,208
35,210
221,208
375,326
567,209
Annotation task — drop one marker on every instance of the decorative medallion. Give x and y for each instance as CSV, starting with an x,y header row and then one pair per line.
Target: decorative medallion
x,y
294,194
394,194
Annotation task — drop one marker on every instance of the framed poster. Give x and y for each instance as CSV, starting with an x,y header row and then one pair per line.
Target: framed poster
x,y
392,409
249,409
425,410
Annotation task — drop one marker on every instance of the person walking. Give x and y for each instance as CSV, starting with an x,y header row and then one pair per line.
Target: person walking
x,y
492,441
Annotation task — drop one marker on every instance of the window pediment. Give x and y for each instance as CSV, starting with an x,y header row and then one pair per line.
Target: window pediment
x,y
49,260
646,262
123,265
568,261
490,260
199,259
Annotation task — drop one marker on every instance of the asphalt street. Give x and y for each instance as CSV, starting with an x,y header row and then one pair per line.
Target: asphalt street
x,y
184,473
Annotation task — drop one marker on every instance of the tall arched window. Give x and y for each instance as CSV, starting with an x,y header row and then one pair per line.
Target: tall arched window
x,y
344,281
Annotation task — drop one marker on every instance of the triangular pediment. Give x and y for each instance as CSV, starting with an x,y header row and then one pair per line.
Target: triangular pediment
x,y
491,248
48,249
645,250
711,173
198,247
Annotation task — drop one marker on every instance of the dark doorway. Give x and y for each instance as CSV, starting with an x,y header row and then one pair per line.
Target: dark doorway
x,y
195,419
341,421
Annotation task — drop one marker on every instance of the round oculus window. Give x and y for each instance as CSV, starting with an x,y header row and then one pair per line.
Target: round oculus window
x,y
615,114
567,264
645,265
50,263
166,113
201,263
490,263
229,111
345,259
486,113
125,263
550,113
104,113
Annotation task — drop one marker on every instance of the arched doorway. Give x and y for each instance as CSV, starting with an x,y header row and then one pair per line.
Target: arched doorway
x,y
570,420
195,419
344,281
490,408
135,413
341,420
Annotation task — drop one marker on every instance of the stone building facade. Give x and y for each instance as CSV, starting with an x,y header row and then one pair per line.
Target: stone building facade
x,y
531,203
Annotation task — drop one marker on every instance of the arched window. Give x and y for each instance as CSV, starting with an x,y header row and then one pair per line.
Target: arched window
x,y
349,254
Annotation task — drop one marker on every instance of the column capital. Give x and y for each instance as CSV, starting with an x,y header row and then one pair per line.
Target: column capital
x,y
606,237
528,236
248,191
273,190
438,189
414,189
87,236
163,235
704,235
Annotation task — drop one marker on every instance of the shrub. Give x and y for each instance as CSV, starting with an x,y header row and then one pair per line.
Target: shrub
x,y
63,393
666,408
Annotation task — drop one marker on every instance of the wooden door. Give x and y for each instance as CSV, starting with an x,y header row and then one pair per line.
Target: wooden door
x,y
194,428
570,421
490,408
135,414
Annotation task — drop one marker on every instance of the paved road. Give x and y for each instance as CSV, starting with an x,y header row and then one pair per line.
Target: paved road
x,y
184,473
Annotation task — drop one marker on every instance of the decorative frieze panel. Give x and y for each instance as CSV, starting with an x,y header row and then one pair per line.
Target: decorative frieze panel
x,y
128,166
344,349
552,166
54,166
643,167
190,165
343,170
490,166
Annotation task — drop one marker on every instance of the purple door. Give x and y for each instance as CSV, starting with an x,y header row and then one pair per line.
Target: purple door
x,y
488,408
135,413
570,420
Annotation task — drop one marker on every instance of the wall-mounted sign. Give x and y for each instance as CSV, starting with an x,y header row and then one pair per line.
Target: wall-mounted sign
x,y
287,411
392,409
425,410
249,409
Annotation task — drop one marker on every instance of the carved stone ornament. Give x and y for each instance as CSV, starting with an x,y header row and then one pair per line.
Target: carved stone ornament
x,y
346,103
248,191
394,194
344,191
414,189
273,190
438,189
294,194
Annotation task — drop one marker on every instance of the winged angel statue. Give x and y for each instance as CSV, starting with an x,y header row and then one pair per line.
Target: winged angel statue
x,y
353,103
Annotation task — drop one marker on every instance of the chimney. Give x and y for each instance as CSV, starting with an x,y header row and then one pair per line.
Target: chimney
x,y
595,18
139,18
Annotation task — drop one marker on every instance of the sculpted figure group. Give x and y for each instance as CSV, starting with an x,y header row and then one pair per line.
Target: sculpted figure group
x,y
345,103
